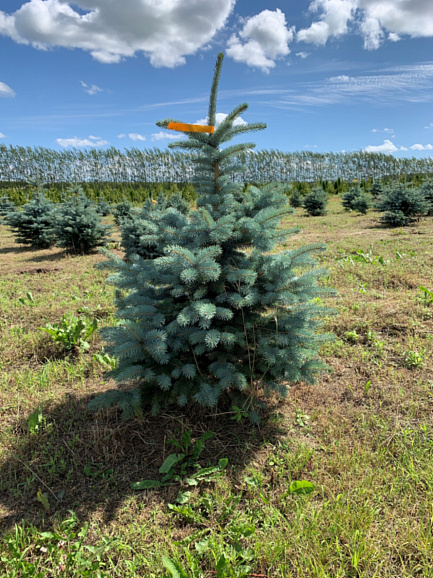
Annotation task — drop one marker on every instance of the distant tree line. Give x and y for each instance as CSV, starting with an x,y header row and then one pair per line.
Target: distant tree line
x,y
133,167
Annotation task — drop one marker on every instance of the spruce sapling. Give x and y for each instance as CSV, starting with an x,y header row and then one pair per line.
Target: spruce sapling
x,y
356,200
219,314
295,199
103,208
6,206
427,191
315,203
376,190
34,224
122,210
78,227
402,205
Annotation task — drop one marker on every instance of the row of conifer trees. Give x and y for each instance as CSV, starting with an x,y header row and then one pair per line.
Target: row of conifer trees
x,y
75,224
401,204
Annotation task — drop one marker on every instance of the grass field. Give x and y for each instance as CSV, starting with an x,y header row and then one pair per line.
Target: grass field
x,y
363,435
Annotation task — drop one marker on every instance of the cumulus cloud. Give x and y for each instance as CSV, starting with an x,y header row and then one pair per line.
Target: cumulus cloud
x,y
303,55
414,18
420,147
219,117
430,125
393,37
122,135
387,147
372,33
2,135
92,89
165,135
263,39
402,148
333,21
81,142
135,136
165,31
6,90
374,20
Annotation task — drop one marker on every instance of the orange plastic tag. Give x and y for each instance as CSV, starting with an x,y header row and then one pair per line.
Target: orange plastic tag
x,y
190,127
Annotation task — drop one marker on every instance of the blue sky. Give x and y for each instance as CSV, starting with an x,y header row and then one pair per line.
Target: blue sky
x,y
325,75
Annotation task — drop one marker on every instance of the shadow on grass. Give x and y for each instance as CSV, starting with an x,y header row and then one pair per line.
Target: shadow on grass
x,y
86,462
57,256
26,249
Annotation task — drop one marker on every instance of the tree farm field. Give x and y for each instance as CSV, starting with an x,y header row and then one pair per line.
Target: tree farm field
x,y
363,435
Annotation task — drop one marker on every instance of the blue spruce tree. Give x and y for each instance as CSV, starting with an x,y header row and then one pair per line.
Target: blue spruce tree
x,y
33,225
6,206
78,226
427,190
217,314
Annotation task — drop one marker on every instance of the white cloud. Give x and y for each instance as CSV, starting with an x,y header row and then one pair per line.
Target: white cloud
x,y
6,90
303,54
165,135
430,125
420,147
375,20
219,117
333,21
409,84
393,37
81,142
402,148
2,135
135,136
263,39
341,78
372,33
92,89
387,130
387,147
95,137
164,31
122,135
414,17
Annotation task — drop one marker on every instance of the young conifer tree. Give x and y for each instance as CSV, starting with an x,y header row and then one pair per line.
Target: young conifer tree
x,y
34,224
376,190
122,210
402,205
78,226
315,203
6,206
103,208
295,199
357,200
218,315
427,191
